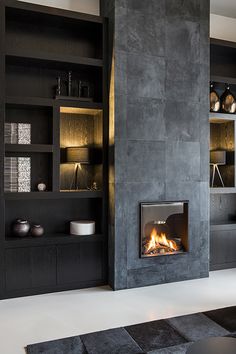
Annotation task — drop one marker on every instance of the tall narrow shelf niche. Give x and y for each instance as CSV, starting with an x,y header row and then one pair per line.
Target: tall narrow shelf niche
x,y
81,140
222,139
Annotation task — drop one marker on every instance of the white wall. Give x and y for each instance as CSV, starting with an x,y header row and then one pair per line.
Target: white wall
x,y
223,7
222,27
87,6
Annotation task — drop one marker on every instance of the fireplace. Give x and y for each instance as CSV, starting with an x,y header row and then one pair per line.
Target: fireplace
x,y
163,228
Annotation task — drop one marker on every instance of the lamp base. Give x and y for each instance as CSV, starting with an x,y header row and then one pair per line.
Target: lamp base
x,y
75,183
216,171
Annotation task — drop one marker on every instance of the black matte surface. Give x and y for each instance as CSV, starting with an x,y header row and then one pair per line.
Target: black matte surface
x,y
116,341
155,335
177,349
196,327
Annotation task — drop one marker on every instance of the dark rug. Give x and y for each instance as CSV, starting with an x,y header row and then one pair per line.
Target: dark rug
x,y
169,336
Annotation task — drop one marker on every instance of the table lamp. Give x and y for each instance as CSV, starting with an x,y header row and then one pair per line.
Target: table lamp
x,y
217,157
78,156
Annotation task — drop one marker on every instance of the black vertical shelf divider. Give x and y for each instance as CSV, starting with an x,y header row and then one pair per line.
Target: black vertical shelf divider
x,y
105,139
2,120
56,149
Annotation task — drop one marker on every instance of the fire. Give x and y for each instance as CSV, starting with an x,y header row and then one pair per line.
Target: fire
x,y
158,242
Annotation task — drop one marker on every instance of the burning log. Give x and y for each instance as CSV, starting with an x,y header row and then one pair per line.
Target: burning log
x,y
159,244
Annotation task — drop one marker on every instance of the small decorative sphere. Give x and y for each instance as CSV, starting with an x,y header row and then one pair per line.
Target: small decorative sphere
x,y
42,187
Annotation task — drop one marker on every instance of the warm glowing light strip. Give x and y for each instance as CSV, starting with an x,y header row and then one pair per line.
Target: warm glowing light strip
x,y
220,120
75,110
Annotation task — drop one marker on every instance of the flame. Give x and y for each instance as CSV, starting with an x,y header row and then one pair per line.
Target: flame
x,y
159,241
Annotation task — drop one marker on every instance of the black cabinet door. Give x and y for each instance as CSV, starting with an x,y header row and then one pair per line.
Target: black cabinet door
x,y
222,249
30,267
43,263
18,269
80,263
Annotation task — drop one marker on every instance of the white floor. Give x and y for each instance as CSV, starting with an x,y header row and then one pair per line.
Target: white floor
x,y
45,317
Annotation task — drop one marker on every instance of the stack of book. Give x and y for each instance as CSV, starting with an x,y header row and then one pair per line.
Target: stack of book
x,y
17,133
17,174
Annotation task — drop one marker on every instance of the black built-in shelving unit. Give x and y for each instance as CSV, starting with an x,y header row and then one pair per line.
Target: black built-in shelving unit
x,y
37,44
223,137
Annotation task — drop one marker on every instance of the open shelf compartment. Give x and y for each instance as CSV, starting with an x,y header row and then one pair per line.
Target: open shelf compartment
x,y
81,131
27,31
222,138
25,170
54,217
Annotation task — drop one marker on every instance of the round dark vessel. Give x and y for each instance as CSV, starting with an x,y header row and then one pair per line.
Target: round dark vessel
x,y
20,228
37,230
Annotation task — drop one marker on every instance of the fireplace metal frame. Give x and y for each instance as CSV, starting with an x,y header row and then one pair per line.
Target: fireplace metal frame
x,y
141,255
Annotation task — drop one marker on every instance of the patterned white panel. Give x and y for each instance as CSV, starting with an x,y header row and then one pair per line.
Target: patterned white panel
x,y
24,133
17,133
24,174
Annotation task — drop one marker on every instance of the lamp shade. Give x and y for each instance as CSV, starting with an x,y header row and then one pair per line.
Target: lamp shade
x,y
77,155
218,157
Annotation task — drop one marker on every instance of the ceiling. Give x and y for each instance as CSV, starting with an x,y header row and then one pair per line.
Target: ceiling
x,y
224,7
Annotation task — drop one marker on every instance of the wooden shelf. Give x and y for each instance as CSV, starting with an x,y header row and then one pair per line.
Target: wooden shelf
x,y
80,194
223,226
223,190
223,43
29,101
14,55
224,79
79,104
28,148
52,239
53,195
18,101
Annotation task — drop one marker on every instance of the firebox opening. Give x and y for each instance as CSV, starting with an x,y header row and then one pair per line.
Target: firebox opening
x,y
164,228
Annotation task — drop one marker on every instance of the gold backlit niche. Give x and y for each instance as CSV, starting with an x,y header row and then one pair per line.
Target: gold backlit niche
x,y
80,127
222,138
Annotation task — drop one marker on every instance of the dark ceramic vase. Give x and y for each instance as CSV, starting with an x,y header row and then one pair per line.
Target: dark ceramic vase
x,y
37,230
20,228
